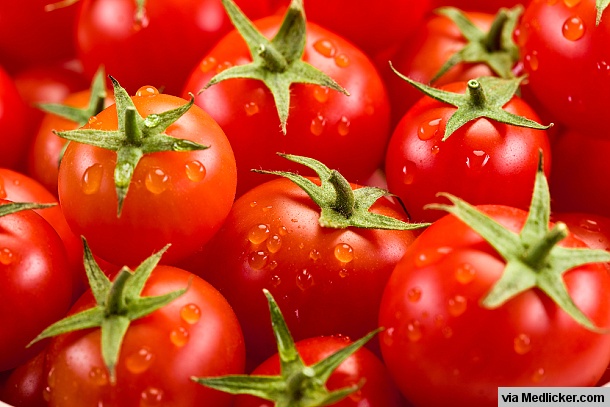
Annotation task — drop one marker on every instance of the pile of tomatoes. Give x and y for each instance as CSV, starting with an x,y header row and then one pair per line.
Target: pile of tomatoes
x,y
427,175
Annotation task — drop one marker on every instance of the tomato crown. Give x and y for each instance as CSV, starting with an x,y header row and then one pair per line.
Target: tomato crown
x,y
278,62
494,48
533,258
341,205
298,384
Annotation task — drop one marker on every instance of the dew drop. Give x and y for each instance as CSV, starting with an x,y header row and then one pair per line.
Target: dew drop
x,y
304,280
138,362
92,179
320,93
435,149
147,91
267,208
325,48
344,253
388,336
414,294
6,256
603,67
223,66
151,396
590,225
98,376
314,255
457,305
531,60
571,3
408,173
343,126
272,265
258,260
179,336
156,180
573,28
208,64
46,394
464,274
430,256
342,60
282,230
538,375
274,243
190,314
51,378
92,120
301,245
253,204
259,233
317,125
276,281
251,108
195,171
343,273
522,344
428,129
477,160
414,332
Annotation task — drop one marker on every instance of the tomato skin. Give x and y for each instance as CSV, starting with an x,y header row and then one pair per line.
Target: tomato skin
x,y
36,283
377,391
213,345
441,347
272,239
24,386
483,162
192,208
323,124
489,6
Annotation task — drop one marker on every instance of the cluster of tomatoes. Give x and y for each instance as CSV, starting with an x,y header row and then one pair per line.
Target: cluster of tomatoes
x,y
302,203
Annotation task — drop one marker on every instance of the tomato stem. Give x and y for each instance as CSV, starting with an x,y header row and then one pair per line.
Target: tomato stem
x,y
538,254
273,59
133,132
345,201
477,96
494,37
115,302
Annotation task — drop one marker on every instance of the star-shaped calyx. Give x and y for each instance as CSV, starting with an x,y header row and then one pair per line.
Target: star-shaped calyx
x,y
297,385
118,303
341,206
601,6
135,137
495,48
533,257
484,97
277,62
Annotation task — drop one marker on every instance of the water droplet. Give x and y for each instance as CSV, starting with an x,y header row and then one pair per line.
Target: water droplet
x,y
317,125
343,126
573,28
6,256
152,396
98,376
253,204
590,225
388,336
430,256
190,314
477,160
51,378
147,91
571,3
414,332
342,60
435,149
531,60
314,255
538,375
603,67
258,260
208,64
344,253
267,208
152,120
447,332
464,274
251,108
138,362
320,93
258,234
179,336
92,179
439,320
156,180
195,171
272,265
428,129
325,47
276,281
92,120
274,243
343,273
408,172
522,344
414,294
304,280
457,305
46,394
282,230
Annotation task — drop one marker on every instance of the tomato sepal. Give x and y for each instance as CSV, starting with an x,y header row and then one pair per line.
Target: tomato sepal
x,y
601,6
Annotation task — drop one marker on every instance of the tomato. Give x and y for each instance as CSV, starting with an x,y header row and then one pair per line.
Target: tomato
x,y
195,334
483,162
36,284
323,123
178,197
158,49
488,6
24,387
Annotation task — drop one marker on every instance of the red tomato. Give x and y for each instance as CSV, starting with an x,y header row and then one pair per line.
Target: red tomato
x,y
323,124
196,334
443,348
24,387
36,287
174,197
487,6
483,162
160,49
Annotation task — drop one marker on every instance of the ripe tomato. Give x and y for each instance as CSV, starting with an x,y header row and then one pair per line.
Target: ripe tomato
x,y
24,386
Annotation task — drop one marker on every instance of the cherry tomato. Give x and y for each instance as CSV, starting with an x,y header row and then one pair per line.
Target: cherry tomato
x,y
25,385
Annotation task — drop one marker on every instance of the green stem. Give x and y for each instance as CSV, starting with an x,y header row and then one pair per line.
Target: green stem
x,y
538,254
133,132
345,201
273,59
493,39
475,90
115,302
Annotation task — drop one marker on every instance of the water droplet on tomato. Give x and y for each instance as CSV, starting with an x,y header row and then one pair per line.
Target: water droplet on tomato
x,y
435,149
571,3
457,305
46,394
325,48
258,260
477,160
190,314
430,256
408,172
272,265
522,344
147,91
98,376
603,67
195,171
320,93
388,336
414,294
428,129
92,179
259,233
531,61
465,273
282,230
317,125
51,378
276,281
344,253
274,243
92,120
151,396
343,273
208,64
156,180
590,225
414,331
6,256
267,208
573,28
251,108
538,375
253,204
223,66
179,336
314,255
342,61
138,362
343,126
304,280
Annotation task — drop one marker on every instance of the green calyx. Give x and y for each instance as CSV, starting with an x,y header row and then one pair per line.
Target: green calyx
x,y
484,97
14,207
297,385
341,205
135,137
533,257
601,6
494,48
278,62
118,303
